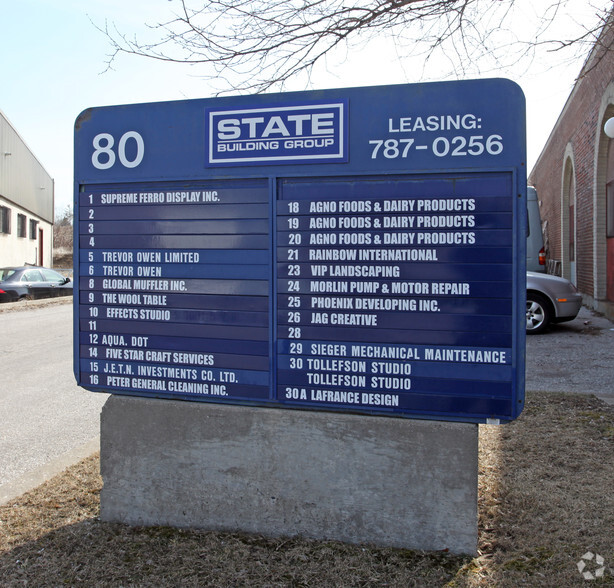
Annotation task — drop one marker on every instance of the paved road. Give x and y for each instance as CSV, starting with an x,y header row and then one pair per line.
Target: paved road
x,y
47,421
577,356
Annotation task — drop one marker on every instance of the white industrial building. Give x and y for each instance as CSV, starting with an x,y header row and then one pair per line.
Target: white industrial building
x,y
26,203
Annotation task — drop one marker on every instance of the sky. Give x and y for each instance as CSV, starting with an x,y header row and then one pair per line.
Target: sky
x,y
53,62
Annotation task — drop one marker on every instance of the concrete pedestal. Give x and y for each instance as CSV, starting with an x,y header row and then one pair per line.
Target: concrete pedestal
x,y
359,479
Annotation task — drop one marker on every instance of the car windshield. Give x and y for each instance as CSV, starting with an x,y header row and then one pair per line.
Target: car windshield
x,y
6,273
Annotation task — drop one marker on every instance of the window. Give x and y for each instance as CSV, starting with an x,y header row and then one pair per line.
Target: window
x,y
6,273
33,225
32,276
21,225
51,276
5,220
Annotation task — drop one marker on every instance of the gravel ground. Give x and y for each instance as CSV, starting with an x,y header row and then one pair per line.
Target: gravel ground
x,y
574,357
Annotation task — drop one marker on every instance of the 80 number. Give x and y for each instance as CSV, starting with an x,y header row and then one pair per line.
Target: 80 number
x,y
104,156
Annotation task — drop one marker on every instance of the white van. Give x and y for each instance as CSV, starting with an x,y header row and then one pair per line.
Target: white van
x,y
536,254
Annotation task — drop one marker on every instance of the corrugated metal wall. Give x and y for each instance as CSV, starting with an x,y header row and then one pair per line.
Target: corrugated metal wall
x,y
23,180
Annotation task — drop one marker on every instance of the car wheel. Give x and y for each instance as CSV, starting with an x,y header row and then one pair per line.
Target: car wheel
x,y
538,314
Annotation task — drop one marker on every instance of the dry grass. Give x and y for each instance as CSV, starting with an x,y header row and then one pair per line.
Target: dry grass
x,y
546,498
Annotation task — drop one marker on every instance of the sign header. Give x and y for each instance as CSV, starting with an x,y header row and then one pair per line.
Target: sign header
x,y
296,133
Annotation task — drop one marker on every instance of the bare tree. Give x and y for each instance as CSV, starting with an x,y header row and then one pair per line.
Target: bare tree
x,y
63,230
254,45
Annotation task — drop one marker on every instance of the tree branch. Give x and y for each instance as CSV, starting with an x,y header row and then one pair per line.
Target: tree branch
x,y
260,44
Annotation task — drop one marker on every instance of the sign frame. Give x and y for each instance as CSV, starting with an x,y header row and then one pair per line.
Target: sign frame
x,y
450,140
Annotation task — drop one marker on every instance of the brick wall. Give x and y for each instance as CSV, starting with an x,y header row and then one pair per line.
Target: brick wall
x,y
574,138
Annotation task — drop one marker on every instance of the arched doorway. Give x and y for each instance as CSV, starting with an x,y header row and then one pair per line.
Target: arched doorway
x,y
568,222
603,209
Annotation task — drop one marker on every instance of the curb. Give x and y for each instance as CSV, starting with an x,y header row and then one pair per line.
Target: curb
x,y
32,304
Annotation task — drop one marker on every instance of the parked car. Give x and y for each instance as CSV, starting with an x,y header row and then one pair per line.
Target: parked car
x,y
550,299
32,282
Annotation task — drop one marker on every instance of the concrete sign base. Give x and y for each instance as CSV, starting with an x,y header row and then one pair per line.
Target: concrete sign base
x,y
358,479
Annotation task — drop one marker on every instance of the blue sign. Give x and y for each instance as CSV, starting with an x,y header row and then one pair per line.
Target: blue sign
x,y
357,250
